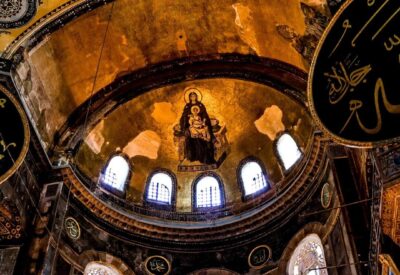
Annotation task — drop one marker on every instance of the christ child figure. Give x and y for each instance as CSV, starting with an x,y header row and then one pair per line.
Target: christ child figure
x,y
198,127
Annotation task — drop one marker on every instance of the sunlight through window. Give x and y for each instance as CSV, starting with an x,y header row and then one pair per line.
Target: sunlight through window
x,y
116,173
160,188
288,151
253,178
208,193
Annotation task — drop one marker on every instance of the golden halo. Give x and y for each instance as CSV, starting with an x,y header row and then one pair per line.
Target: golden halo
x,y
194,108
190,90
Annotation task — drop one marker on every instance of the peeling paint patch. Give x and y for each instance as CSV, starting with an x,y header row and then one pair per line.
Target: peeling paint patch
x,y
95,139
163,113
244,25
145,144
270,123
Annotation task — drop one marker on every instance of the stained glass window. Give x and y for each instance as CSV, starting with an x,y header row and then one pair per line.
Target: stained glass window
x,y
116,173
253,178
208,192
308,258
160,188
288,151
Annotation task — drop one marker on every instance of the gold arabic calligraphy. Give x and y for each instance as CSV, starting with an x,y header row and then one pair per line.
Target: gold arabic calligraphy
x,y
346,25
341,84
393,42
5,147
259,257
157,265
355,105
341,80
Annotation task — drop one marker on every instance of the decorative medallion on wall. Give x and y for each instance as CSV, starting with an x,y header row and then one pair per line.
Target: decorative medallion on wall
x,y
354,74
16,13
72,228
326,195
157,265
201,140
259,256
14,134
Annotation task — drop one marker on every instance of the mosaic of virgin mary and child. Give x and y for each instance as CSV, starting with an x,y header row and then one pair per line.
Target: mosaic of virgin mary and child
x,y
202,143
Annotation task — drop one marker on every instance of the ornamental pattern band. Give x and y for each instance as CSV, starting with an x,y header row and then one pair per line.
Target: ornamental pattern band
x,y
16,13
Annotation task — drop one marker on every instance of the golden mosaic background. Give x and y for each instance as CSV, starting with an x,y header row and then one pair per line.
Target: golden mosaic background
x,y
58,74
235,103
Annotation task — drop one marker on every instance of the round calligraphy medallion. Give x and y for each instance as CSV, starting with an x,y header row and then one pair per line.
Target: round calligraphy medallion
x,y
14,134
157,265
326,195
354,83
259,256
72,228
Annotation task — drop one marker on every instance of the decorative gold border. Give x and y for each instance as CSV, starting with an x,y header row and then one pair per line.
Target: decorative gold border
x,y
266,262
25,146
330,195
157,256
79,228
353,143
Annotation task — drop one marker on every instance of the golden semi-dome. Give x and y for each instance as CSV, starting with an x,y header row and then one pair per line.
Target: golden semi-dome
x,y
144,114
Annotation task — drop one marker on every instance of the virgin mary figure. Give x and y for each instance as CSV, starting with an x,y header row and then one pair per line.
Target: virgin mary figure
x,y
196,126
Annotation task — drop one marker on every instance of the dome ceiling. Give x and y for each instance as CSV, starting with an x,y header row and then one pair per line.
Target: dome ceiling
x,y
96,79
86,81
71,64
246,118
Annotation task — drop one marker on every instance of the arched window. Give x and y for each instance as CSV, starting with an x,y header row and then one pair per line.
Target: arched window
x,y
160,188
308,258
99,268
251,176
114,176
288,151
208,191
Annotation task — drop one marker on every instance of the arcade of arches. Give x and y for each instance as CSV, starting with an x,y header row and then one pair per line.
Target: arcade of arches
x,y
175,137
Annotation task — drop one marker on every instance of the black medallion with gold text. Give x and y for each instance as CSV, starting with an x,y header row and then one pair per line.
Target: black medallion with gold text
x,y
259,256
354,81
14,134
157,265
